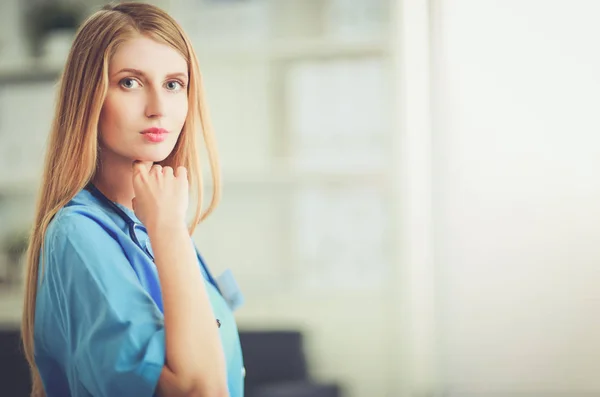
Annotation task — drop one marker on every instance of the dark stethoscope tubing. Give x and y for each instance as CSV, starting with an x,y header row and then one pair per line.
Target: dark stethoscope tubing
x,y
132,224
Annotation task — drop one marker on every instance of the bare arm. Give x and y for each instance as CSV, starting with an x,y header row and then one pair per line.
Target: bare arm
x,y
193,348
195,363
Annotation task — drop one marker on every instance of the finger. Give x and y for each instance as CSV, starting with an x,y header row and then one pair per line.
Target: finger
x,y
181,175
139,167
168,172
156,169
140,173
181,172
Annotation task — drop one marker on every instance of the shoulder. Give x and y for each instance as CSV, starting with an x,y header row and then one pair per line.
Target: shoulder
x,y
80,217
81,228
70,224
83,241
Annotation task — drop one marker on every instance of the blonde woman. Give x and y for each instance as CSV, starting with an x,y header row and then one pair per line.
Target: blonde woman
x,y
118,302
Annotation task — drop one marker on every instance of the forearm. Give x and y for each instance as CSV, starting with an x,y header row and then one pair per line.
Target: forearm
x,y
193,347
171,385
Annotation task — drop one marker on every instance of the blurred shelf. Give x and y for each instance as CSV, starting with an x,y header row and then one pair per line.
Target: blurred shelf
x,y
295,178
284,49
17,188
298,49
27,187
28,72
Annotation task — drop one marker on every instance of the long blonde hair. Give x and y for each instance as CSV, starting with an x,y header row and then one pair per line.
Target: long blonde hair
x,y
71,155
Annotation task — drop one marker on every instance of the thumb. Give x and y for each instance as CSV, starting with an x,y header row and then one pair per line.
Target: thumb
x,y
139,174
139,166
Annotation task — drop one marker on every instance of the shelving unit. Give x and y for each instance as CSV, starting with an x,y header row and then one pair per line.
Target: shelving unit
x,y
262,64
250,98
288,226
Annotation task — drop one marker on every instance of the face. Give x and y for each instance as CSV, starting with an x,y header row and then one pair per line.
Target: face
x,y
146,103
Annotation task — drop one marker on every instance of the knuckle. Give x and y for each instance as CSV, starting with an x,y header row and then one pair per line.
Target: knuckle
x,y
137,170
140,176
168,171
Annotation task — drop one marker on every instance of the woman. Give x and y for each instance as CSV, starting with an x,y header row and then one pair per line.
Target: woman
x,y
118,302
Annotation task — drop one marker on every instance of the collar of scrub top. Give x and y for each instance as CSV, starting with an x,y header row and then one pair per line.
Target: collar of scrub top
x,y
132,225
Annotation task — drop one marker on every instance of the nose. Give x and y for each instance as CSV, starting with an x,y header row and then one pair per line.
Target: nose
x,y
154,104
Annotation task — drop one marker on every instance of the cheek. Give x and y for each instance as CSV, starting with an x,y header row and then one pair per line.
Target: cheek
x,y
181,112
113,119
106,123
109,117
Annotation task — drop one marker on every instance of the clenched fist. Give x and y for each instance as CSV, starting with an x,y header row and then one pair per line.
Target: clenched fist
x,y
161,195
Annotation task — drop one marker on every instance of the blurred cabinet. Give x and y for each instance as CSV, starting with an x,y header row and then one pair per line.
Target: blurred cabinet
x,y
26,112
299,93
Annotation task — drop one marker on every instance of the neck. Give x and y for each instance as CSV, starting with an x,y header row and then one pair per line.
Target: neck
x,y
114,179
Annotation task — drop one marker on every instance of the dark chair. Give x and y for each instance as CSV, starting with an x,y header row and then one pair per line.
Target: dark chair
x,y
276,366
14,370
274,360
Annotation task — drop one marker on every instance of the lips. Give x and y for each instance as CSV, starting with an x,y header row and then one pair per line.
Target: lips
x,y
155,130
155,134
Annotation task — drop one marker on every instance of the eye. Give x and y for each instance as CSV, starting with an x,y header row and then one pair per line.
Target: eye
x,y
129,83
174,85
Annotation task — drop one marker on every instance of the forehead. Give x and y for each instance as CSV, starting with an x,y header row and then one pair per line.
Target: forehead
x,y
147,55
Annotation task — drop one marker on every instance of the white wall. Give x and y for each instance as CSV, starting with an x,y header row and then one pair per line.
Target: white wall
x,y
517,194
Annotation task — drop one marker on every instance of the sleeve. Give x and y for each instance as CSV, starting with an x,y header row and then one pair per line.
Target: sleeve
x,y
114,330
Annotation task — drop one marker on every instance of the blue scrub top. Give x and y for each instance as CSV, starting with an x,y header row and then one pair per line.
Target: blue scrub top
x,y
99,325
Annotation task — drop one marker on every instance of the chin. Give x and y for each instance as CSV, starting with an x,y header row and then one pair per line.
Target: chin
x,y
155,157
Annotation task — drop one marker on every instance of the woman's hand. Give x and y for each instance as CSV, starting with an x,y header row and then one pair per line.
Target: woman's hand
x,y
161,195
193,366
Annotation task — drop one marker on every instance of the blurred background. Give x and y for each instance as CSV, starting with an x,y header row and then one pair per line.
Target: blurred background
x,y
409,204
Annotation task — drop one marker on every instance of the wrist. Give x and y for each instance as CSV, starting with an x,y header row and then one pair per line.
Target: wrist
x,y
169,225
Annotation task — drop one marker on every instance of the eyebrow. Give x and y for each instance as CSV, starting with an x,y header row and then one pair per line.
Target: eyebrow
x,y
138,72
